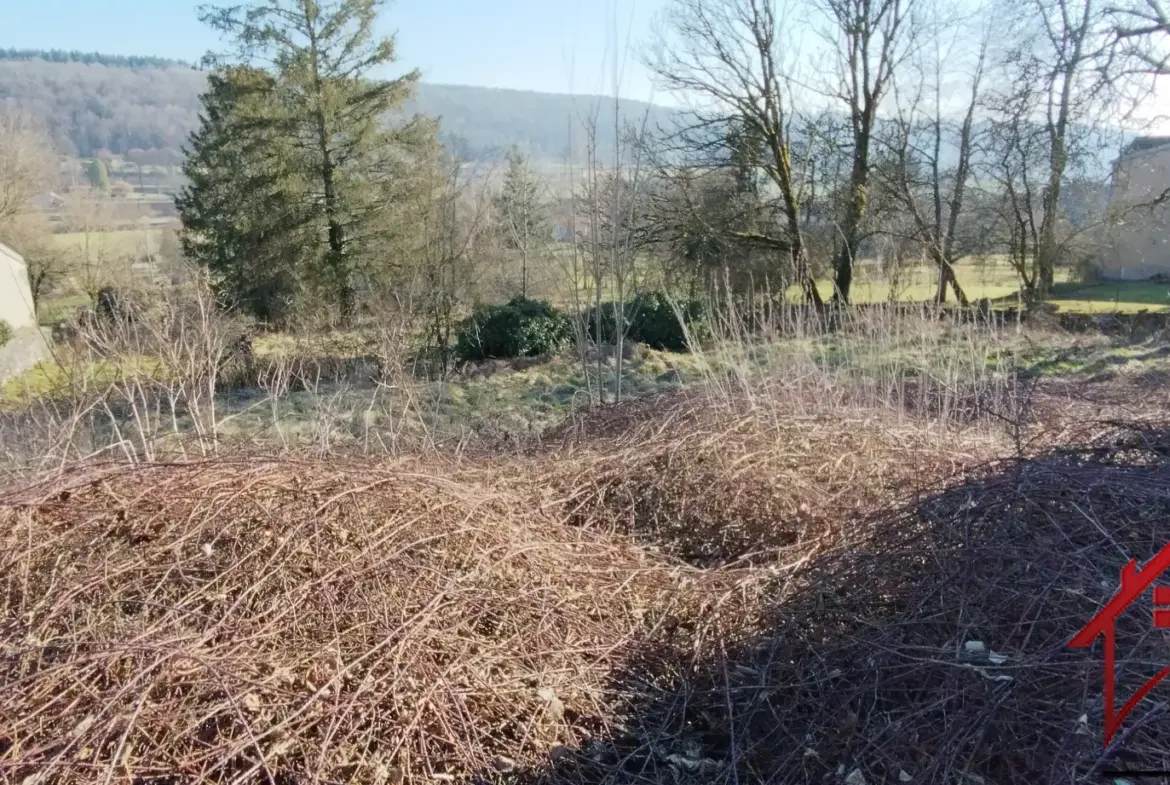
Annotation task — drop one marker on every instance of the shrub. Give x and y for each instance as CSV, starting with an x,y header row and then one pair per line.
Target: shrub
x,y
1086,270
113,305
649,319
5,333
522,328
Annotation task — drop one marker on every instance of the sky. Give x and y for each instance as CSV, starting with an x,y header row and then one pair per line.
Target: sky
x,y
561,46
546,45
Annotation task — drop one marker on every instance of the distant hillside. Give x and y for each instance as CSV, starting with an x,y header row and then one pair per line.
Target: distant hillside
x,y
486,120
93,106
92,102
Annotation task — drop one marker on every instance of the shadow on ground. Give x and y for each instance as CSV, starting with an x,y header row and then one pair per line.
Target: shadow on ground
x,y
933,648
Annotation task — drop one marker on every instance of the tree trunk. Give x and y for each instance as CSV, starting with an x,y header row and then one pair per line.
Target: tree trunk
x,y
947,277
524,270
851,226
1047,247
335,257
798,257
843,275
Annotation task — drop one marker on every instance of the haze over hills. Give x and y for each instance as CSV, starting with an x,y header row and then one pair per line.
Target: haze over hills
x,y
147,106
93,102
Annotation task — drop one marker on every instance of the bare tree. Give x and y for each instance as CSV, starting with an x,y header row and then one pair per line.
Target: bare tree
x,y
611,234
726,54
1063,79
450,221
522,213
26,163
935,195
1017,160
872,38
693,219
1143,30
48,265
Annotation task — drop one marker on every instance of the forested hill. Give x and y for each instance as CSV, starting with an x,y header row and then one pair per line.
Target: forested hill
x,y
146,106
92,58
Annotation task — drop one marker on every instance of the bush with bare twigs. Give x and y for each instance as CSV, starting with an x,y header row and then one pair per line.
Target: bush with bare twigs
x,y
298,622
736,583
933,645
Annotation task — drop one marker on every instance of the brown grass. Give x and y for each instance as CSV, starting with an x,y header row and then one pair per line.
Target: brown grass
x,y
243,622
736,484
673,591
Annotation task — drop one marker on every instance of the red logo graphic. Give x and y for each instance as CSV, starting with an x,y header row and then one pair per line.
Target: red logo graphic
x,y
1134,583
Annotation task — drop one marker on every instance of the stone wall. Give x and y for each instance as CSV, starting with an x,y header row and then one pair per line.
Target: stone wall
x,y
1139,232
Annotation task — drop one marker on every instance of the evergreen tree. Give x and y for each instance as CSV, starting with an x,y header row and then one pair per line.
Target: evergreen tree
x,y
330,115
522,212
246,215
98,175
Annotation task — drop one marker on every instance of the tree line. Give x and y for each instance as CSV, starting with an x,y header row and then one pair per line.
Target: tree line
x,y
915,133
90,109
92,58
96,105
921,142
1024,96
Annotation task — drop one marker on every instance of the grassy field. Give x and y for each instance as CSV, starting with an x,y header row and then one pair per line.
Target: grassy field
x,y
992,279
1112,297
998,282
111,244
520,400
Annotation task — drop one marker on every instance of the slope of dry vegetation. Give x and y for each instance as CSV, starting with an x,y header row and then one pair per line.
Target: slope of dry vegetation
x,y
248,622
730,483
677,591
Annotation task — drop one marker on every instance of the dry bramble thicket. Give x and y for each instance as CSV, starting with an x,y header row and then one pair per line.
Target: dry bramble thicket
x,y
696,588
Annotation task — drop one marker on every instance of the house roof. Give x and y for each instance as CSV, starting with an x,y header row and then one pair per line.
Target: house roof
x,y
1144,144
11,254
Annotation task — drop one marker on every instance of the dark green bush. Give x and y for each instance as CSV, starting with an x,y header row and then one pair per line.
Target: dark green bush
x,y
5,333
522,328
650,319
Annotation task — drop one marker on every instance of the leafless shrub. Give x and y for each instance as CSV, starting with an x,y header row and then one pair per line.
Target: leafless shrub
x,y
391,620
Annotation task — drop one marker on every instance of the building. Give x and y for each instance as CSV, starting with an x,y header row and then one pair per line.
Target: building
x,y
1138,246
28,344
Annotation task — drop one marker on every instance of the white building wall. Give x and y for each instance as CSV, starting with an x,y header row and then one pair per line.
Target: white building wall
x,y
16,304
29,344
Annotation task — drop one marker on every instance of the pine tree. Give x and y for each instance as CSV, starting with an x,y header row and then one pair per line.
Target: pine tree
x,y
245,215
522,212
332,116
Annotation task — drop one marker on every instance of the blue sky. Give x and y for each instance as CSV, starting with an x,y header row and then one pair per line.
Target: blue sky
x,y
547,45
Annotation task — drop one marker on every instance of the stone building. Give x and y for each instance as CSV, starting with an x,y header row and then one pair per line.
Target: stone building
x,y
1138,245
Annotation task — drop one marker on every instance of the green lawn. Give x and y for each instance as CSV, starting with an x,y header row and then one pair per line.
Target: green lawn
x,y
1112,297
991,279
56,309
998,282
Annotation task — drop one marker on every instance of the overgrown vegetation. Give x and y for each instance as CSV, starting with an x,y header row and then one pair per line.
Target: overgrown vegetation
x,y
388,469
